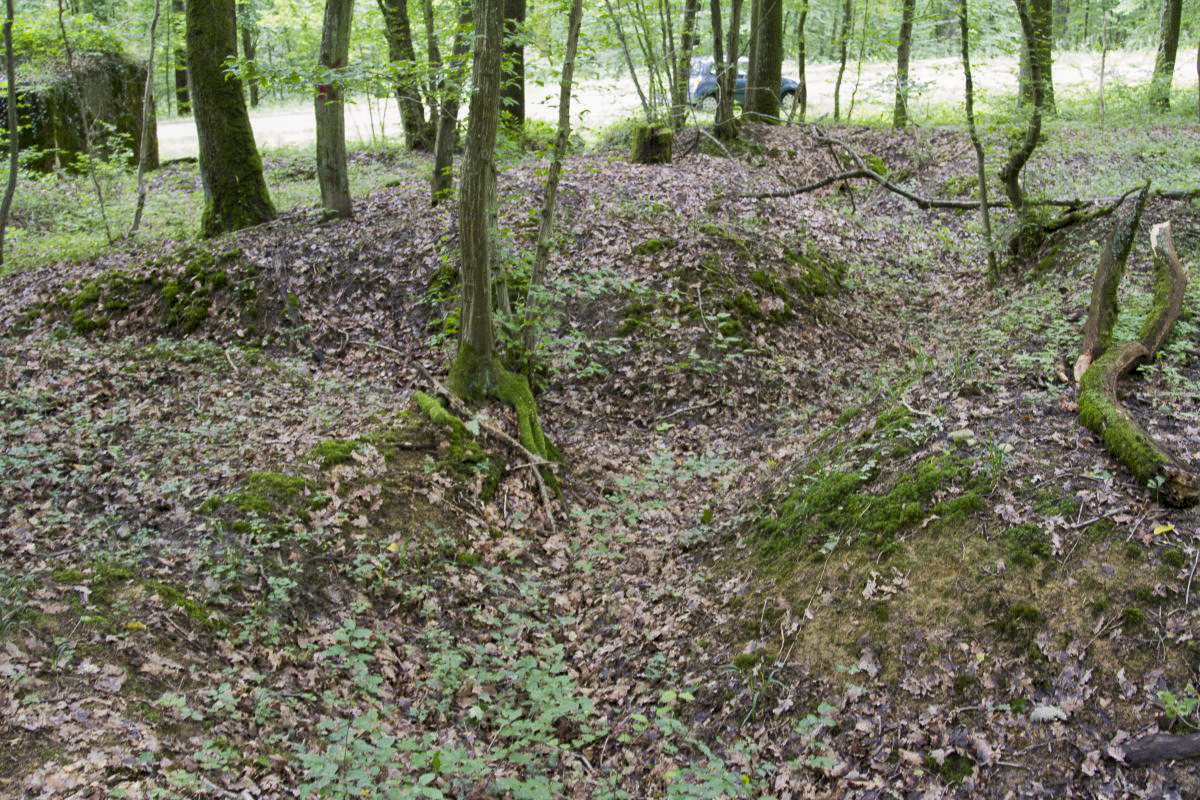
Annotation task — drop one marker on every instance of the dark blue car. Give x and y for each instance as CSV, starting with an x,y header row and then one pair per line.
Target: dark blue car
x,y
702,85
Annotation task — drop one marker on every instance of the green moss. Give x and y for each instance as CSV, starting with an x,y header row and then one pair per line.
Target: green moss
x,y
744,304
1132,620
954,769
1174,558
847,416
1025,544
1124,439
174,597
464,455
964,682
332,452
69,576
1019,621
1133,551
747,661
273,493
652,246
876,164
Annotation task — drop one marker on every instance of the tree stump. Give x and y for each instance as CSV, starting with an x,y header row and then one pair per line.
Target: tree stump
x,y
652,144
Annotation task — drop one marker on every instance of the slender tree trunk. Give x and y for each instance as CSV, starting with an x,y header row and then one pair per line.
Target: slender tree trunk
x,y
451,91
246,23
331,120
1198,81
980,173
1103,61
147,120
800,101
183,102
629,61
862,55
843,41
903,51
768,67
718,49
1038,47
1028,235
512,84
14,130
725,126
473,375
687,43
541,257
417,134
436,80
235,192
1164,60
751,87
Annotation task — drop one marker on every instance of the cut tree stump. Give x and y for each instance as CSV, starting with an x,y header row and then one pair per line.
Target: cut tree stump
x,y
651,144
1162,747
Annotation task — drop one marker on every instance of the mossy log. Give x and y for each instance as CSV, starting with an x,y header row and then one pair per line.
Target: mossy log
x,y
1101,412
1162,747
1170,285
651,144
1104,307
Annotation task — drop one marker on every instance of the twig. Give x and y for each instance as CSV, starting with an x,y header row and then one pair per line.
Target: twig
x,y
232,365
686,409
364,343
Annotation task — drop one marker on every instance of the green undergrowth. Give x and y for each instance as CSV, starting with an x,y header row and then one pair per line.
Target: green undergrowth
x,y
176,294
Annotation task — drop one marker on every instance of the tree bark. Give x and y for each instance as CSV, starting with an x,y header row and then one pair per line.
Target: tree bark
x,y
1164,60
435,81
450,90
512,84
331,120
473,374
843,42
768,66
1037,55
249,48
980,172
750,89
687,43
800,101
418,135
725,126
235,192
1162,747
1029,234
14,143
903,51
183,103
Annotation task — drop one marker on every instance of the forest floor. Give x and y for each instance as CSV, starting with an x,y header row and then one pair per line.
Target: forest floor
x,y
829,525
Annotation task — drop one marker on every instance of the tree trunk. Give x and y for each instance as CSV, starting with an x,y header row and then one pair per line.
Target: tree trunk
x,y
750,90
843,42
1029,234
768,67
331,120
612,14
14,144
183,103
725,126
1037,50
903,51
473,374
687,44
147,117
800,101
980,173
449,89
418,135
235,193
512,85
1164,60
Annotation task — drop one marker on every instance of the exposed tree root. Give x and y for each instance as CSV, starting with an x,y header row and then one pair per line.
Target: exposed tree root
x,y
1100,408
1162,747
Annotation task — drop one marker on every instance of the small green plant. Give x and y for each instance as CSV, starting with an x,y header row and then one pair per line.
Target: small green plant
x,y
1181,708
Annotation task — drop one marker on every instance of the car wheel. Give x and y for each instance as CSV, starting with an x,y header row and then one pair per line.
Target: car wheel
x,y
708,104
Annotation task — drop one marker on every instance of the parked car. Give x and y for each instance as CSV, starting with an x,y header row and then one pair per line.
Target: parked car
x,y
702,84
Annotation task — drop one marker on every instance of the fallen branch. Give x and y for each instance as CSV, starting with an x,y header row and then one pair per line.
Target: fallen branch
x,y
1162,747
1170,284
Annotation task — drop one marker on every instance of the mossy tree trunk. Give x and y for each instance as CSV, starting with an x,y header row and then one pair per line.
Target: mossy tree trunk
x,y
767,67
725,126
330,116
1170,17
512,85
903,51
450,84
147,121
1028,236
1037,46
687,43
418,134
183,101
235,192
476,373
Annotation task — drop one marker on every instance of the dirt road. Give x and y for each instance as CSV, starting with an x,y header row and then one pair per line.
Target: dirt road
x,y
596,103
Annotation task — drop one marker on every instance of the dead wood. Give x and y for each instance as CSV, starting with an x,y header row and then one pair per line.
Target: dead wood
x,y
1162,747
1170,284
1103,309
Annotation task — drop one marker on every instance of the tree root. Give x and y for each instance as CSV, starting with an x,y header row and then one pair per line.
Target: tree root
x,y
1100,409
